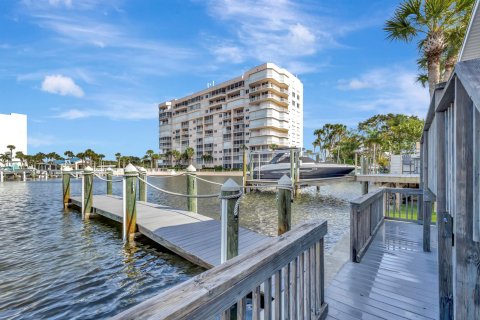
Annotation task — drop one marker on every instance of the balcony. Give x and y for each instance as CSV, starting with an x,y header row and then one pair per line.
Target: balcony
x,y
269,97
208,121
270,87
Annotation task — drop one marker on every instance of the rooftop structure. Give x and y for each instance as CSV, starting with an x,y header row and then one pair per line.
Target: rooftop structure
x,y
261,108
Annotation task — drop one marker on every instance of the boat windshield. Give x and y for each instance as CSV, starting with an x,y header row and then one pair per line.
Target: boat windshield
x,y
280,158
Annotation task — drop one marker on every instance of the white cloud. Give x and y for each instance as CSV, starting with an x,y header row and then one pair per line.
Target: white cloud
x,y
277,31
61,85
386,90
56,3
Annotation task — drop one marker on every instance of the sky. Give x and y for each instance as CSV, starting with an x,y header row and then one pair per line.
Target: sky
x,y
90,74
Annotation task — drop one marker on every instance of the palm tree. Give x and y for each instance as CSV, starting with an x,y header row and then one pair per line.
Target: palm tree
x,y
176,155
118,155
4,158
273,146
19,155
155,158
432,20
100,158
188,154
69,154
207,157
81,156
149,154
11,147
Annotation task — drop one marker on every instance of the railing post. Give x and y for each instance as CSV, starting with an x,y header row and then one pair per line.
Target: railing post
x,y
353,232
109,181
229,233
297,173
87,192
66,185
142,186
129,202
244,166
427,218
192,188
1,176
284,204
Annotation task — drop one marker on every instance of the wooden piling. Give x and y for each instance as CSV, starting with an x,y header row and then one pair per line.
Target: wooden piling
x,y
87,192
66,185
229,221
284,204
142,186
1,176
297,173
427,220
109,181
129,202
192,188
364,169
24,176
244,166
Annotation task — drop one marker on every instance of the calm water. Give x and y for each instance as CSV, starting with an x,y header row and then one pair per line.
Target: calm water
x,y
53,265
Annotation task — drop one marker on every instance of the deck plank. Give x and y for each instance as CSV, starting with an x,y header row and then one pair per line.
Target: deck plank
x,y
190,235
395,280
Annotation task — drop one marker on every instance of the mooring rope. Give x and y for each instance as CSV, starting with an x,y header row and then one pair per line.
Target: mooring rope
x,y
180,194
171,176
111,180
237,196
201,179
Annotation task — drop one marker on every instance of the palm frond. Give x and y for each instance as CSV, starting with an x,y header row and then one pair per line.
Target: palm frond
x,y
422,78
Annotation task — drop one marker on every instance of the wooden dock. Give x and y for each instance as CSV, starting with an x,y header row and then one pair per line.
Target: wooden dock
x,y
190,235
389,178
394,280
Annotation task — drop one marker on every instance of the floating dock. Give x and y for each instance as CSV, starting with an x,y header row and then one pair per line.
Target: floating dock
x,y
190,235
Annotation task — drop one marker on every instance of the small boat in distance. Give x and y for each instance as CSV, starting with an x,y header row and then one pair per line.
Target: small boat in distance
x,y
309,169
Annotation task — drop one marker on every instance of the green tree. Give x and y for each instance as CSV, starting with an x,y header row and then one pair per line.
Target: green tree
x,y
188,154
11,147
20,156
150,154
69,154
428,21
176,155
118,155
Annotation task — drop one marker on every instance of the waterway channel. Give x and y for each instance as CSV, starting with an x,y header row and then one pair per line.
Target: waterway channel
x,y
53,265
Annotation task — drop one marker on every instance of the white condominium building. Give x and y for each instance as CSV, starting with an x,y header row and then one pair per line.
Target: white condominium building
x,y
261,108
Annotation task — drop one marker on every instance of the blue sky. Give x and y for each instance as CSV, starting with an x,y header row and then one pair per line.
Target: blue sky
x,y
89,74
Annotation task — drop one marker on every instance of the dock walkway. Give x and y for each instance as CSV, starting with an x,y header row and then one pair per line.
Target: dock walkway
x,y
192,236
394,280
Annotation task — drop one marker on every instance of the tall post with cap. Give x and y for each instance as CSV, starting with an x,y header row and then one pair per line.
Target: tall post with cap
x,y
87,192
129,202
284,204
109,181
230,193
66,172
142,186
192,188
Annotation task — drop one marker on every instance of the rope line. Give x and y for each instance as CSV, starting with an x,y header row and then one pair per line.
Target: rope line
x,y
170,176
180,194
101,178
201,179
237,196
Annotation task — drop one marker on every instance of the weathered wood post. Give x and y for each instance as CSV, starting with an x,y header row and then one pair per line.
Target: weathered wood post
x,y
1,176
230,192
445,227
66,185
284,204
292,165
364,168
192,188
427,201
297,172
244,166
87,192
142,186
129,202
109,181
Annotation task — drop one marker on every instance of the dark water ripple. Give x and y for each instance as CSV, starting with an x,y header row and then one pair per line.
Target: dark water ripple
x,y
53,265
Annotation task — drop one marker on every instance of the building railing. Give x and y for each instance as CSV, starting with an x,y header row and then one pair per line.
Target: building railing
x,y
284,276
369,211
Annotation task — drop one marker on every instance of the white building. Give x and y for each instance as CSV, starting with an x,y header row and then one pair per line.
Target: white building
x,y
260,108
13,131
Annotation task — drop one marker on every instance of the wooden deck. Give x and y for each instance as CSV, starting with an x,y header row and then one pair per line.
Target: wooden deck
x,y
395,280
388,178
190,235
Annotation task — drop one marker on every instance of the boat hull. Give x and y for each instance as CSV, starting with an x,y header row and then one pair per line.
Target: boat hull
x,y
305,173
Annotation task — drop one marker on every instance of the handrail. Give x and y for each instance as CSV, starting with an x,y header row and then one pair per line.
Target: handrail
x,y
369,211
298,252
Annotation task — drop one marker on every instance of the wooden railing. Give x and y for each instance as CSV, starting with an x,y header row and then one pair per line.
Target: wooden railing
x,y
366,216
283,278
368,212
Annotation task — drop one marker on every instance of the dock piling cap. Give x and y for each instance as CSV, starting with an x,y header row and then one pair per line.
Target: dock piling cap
x,y
88,169
230,185
191,168
142,170
285,181
109,170
130,168
67,169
